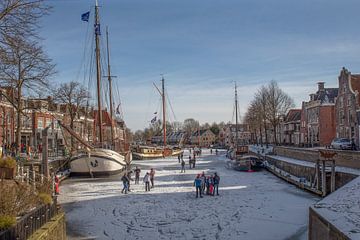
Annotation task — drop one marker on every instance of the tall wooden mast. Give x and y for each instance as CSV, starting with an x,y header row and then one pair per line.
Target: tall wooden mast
x,y
164,110
98,68
236,116
110,87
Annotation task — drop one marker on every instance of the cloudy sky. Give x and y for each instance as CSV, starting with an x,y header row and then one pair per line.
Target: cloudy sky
x,y
203,46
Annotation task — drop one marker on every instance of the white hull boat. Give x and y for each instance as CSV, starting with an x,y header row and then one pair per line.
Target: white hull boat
x,y
97,162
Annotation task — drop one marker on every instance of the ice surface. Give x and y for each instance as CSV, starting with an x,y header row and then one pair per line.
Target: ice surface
x,y
254,205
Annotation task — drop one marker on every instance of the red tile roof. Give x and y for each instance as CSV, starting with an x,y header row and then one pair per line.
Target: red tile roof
x,y
293,115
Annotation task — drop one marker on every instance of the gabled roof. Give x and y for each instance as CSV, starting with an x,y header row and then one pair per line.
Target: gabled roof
x,y
293,115
355,84
327,95
202,131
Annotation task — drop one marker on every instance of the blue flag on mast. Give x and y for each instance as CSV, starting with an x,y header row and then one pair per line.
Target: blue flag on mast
x,y
97,29
153,120
85,16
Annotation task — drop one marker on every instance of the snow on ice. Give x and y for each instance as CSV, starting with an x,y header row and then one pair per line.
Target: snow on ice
x,y
254,205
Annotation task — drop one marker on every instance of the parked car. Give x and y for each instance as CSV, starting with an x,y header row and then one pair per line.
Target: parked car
x,y
341,143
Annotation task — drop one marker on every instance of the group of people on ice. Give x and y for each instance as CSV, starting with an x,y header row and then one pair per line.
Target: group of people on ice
x,y
206,184
148,179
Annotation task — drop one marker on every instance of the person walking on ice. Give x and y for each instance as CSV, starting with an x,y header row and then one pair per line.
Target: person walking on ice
x,y
152,176
137,175
216,181
147,182
182,166
197,184
125,182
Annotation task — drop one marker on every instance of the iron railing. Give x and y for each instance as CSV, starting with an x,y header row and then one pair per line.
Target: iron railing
x,y
30,223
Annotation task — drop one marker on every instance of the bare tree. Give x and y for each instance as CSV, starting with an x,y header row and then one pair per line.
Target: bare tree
x,y
23,66
177,126
190,125
260,103
21,18
253,117
278,104
73,95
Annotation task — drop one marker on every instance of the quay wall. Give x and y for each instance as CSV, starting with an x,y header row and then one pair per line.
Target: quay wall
x,y
321,229
337,215
350,159
53,230
308,172
329,218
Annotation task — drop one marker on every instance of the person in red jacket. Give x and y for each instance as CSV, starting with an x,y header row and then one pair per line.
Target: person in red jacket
x,y
57,182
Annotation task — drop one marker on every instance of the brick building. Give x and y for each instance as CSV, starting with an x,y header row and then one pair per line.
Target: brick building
x,y
348,106
118,128
291,128
203,138
317,121
7,116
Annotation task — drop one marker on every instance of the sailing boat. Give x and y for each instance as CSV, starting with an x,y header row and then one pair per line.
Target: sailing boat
x,y
149,152
98,161
241,159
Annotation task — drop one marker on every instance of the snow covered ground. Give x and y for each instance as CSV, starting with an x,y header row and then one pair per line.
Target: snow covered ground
x,y
254,205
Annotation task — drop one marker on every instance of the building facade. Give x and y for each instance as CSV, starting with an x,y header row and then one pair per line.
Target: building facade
x,y
290,128
203,138
348,106
317,120
227,135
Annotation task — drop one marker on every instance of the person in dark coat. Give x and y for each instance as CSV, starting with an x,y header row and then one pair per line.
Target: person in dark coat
x,y
125,182
190,163
216,181
137,175
207,184
129,179
147,182
197,184
152,177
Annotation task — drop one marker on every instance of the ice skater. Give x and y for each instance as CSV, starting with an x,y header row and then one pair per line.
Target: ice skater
x,y
147,182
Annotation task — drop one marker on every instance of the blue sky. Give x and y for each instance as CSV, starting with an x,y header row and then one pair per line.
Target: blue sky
x,y
201,47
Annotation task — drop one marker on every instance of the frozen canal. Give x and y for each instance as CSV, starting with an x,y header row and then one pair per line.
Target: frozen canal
x,y
254,205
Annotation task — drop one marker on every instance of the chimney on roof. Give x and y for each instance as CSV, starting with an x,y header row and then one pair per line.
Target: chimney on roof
x,y
312,97
321,86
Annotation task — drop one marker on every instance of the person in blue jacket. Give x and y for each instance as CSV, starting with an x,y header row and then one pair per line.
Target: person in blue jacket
x,y
197,184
